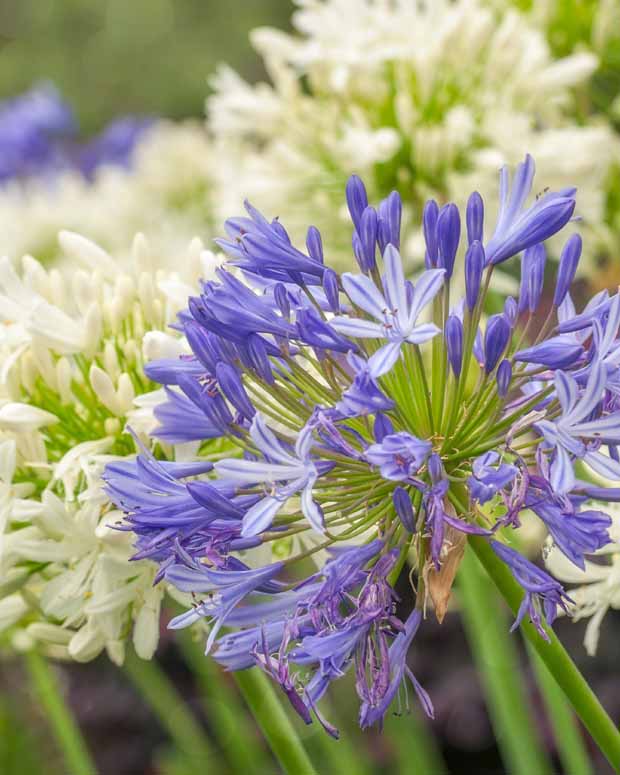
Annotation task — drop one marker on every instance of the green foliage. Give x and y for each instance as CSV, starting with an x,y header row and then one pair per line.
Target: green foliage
x,y
143,56
21,746
577,24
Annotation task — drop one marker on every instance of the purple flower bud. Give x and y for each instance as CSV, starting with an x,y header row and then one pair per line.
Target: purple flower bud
x,y
535,275
429,224
280,294
454,343
435,468
474,264
404,508
315,331
448,236
410,291
259,358
368,238
504,375
511,311
556,353
281,232
496,338
358,251
330,288
478,348
526,263
474,217
314,243
231,385
357,199
568,266
390,214
382,427
205,346
518,228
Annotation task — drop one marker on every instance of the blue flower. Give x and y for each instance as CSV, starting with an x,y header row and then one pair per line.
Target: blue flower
x,y
278,465
223,591
489,476
115,145
333,417
377,703
396,309
574,532
439,513
363,396
34,129
197,412
543,594
265,249
566,435
398,455
518,228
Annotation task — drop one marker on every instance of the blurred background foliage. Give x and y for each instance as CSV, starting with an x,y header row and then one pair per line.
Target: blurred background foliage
x,y
573,24
129,56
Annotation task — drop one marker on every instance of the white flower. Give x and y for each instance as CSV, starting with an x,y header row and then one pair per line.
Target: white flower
x,y
166,194
15,416
76,337
430,98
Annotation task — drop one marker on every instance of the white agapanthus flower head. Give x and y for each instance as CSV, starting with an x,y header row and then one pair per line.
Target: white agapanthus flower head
x,y
73,343
429,98
165,193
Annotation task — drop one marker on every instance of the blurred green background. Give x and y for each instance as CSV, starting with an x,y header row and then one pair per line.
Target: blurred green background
x,y
129,56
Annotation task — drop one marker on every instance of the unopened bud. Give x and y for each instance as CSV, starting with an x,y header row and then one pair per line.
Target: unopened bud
x,y
104,389
125,393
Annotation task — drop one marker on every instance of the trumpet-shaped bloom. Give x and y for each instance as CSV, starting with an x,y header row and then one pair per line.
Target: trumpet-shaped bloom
x,y
395,310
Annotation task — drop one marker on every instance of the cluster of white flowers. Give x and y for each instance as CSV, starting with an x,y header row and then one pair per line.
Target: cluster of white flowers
x,y
431,98
73,341
165,194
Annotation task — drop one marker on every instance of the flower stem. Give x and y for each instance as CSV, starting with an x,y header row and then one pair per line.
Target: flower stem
x,y
226,714
558,662
170,709
415,746
273,721
568,738
498,663
45,684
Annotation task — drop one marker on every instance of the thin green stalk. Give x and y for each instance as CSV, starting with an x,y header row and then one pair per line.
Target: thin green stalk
x,y
558,662
568,738
348,754
225,711
170,709
229,719
497,660
414,744
66,731
273,721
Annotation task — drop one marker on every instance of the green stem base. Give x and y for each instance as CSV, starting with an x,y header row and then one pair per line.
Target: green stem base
x,y
558,662
273,721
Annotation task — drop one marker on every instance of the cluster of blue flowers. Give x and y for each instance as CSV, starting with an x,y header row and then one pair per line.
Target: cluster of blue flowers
x,y
38,138
366,421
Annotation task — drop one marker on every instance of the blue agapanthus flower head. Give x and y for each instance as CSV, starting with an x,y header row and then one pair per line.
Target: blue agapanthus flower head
x,y
35,129
39,138
114,145
369,421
